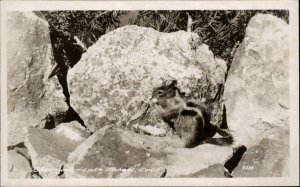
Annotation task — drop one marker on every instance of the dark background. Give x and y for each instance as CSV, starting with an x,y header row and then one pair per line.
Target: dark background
x,y
221,30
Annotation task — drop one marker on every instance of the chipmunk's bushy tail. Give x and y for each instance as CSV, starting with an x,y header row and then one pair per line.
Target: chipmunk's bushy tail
x,y
220,141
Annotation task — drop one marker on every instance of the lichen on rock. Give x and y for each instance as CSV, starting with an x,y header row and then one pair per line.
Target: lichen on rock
x,y
115,78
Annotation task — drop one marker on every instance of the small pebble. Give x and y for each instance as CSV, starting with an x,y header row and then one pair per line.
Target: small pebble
x,y
141,142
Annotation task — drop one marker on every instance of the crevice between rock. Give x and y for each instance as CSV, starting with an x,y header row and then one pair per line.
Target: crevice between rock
x,y
66,52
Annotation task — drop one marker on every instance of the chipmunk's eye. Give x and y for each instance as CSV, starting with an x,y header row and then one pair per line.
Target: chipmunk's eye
x,y
160,92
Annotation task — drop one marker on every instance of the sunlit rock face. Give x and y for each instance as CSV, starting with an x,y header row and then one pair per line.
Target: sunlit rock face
x,y
31,95
257,97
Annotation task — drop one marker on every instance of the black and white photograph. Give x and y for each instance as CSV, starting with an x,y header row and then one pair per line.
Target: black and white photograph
x,y
140,93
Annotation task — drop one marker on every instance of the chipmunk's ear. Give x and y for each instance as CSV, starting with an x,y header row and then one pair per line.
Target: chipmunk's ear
x,y
174,83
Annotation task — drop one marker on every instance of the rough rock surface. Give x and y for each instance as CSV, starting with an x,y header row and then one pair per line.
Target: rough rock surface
x,y
18,165
115,152
49,149
257,88
213,171
267,159
31,96
114,80
257,98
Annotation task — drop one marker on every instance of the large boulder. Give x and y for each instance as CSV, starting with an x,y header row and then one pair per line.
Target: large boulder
x,y
31,95
49,149
115,152
257,98
114,80
257,88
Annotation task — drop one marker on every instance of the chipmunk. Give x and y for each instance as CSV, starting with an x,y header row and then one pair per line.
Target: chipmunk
x,y
190,120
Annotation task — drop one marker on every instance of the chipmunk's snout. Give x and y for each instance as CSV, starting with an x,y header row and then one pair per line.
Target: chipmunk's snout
x,y
153,101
